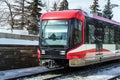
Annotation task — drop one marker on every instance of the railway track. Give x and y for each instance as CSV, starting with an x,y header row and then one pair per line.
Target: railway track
x,y
43,73
26,72
90,71
115,78
82,72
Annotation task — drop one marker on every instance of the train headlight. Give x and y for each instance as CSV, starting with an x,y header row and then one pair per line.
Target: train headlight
x,y
43,52
62,52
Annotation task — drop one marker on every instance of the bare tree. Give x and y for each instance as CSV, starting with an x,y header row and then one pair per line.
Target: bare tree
x,y
19,14
10,13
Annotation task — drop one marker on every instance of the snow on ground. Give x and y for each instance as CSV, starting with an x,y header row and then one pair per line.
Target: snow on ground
x,y
103,74
6,41
22,32
19,72
100,75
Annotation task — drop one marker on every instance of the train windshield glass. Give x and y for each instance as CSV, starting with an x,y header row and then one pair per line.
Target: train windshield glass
x,y
54,32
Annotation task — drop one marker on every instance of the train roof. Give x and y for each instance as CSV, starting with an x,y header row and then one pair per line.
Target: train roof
x,y
79,14
104,19
65,14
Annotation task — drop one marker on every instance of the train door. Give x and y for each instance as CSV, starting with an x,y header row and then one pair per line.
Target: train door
x,y
109,42
94,42
99,42
76,33
117,41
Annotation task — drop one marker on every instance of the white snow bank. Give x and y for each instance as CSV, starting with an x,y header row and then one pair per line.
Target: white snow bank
x,y
100,75
6,41
22,32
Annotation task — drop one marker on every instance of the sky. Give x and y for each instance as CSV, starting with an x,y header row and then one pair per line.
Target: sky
x,y
85,4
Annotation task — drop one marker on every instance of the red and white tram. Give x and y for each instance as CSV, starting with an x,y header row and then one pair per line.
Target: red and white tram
x,y
72,38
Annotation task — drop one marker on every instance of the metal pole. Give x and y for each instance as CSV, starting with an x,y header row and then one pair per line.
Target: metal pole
x,y
22,23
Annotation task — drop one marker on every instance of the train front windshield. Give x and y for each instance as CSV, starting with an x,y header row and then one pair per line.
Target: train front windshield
x,y
54,32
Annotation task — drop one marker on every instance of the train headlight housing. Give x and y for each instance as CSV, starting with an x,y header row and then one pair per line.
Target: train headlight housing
x,y
43,52
62,52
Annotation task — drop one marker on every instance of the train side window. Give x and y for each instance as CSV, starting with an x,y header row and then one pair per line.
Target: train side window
x,y
77,34
111,35
98,34
119,36
116,34
106,35
95,31
91,32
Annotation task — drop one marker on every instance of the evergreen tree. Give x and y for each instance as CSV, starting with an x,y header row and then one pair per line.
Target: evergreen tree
x,y
28,12
95,7
33,21
55,7
63,5
107,12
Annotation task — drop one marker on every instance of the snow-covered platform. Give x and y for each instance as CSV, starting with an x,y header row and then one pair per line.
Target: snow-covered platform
x,y
18,51
18,56
18,36
7,74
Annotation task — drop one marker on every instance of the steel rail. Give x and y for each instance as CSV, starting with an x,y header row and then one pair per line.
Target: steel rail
x,y
21,73
115,78
82,71
43,71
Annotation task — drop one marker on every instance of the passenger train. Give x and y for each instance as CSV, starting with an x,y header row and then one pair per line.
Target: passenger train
x,y
73,38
